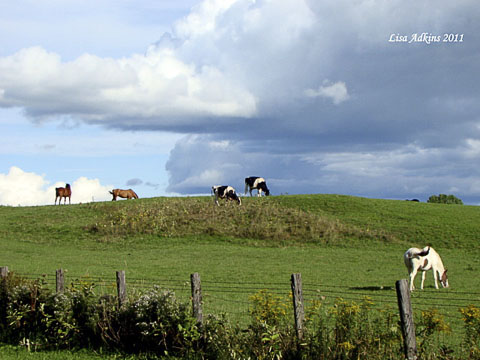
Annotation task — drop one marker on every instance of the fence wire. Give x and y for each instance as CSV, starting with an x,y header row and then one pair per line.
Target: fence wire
x,y
234,299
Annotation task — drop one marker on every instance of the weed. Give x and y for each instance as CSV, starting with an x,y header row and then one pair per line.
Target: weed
x,y
471,318
262,220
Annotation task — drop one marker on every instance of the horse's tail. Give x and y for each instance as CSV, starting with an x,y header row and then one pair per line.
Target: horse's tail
x,y
111,192
417,254
424,252
134,194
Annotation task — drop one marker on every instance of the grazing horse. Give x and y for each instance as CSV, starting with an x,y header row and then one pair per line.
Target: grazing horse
x,y
61,192
424,260
225,192
255,182
128,194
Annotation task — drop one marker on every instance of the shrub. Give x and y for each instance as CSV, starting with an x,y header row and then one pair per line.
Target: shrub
x,y
268,308
154,324
471,319
270,332
361,332
444,199
157,322
429,328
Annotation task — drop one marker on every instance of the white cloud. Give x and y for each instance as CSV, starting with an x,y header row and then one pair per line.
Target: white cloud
x,y
21,188
206,179
87,190
202,18
147,88
337,92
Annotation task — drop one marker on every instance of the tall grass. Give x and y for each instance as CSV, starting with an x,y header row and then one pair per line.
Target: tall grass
x,y
261,220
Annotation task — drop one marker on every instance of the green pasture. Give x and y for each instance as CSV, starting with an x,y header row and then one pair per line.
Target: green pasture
x,y
343,246
8,352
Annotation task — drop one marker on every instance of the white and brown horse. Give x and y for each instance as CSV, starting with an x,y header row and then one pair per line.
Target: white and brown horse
x,y
65,193
424,260
125,194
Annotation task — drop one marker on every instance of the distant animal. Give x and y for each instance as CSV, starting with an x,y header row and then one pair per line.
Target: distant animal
x,y
225,192
414,200
65,193
128,194
255,182
424,260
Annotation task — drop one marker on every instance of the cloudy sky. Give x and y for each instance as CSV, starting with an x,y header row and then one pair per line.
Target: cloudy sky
x,y
370,98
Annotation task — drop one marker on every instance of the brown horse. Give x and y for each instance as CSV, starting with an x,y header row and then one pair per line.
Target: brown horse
x,y
129,194
61,192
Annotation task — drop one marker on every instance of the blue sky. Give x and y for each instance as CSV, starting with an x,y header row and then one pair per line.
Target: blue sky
x,y
171,97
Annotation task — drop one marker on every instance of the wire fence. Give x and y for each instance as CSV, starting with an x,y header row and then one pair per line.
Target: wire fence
x,y
234,299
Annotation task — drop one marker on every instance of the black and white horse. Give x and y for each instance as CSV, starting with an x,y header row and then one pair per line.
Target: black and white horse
x,y
225,192
255,182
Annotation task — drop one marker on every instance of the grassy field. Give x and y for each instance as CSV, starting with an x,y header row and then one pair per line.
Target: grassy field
x,y
14,353
343,246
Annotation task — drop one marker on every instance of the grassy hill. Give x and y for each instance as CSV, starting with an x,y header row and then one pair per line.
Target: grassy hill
x,y
326,237
406,222
276,221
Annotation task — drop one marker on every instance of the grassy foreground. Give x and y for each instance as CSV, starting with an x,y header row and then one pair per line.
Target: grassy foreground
x,y
354,245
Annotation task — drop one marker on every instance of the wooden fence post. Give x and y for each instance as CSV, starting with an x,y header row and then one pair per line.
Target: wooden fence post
x,y
121,288
3,291
3,271
296,282
197,297
3,277
406,318
60,281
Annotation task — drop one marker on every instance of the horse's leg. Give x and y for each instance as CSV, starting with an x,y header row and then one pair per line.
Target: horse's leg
x,y
435,276
412,279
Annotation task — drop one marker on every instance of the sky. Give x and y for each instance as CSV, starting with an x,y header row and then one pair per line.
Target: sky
x,y
368,98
